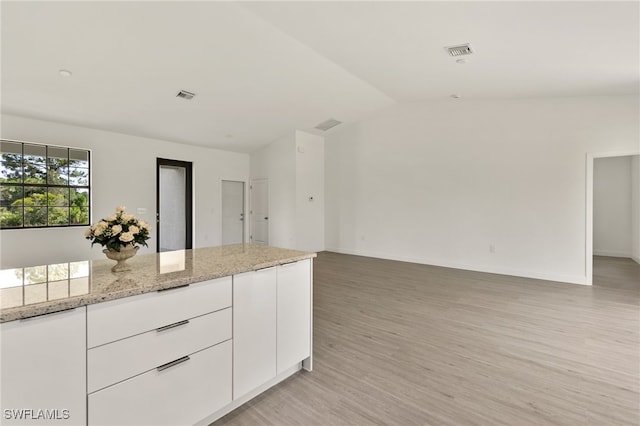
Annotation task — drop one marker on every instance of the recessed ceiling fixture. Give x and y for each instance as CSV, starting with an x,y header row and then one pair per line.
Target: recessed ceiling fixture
x,y
459,50
455,96
65,73
185,95
328,124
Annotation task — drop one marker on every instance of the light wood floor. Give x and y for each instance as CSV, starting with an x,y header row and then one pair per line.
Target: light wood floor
x,y
406,344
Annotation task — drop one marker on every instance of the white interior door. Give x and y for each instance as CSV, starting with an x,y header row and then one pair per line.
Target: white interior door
x,y
232,212
260,211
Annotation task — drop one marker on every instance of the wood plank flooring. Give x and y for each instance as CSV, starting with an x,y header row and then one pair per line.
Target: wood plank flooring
x,y
406,344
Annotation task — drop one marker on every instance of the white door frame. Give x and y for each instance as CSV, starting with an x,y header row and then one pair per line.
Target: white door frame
x,y
588,253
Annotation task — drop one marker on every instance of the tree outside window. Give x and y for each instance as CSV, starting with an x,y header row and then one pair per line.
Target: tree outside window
x,y
43,185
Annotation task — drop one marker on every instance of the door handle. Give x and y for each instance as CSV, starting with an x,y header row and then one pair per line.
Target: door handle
x,y
266,218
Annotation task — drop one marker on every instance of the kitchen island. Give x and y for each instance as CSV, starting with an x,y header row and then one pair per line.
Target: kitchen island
x,y
183,338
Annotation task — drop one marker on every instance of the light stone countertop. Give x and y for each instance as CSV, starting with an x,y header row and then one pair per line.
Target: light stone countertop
x,y
33,291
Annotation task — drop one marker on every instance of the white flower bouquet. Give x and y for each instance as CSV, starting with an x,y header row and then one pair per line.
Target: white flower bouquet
x,y
119,230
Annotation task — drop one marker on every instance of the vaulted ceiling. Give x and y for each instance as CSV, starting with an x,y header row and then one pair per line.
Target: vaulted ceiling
x,y
262,69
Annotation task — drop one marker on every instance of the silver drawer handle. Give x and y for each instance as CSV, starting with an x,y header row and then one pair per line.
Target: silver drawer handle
x,y
288,264
173,363
265,269
172,288
48,313
174,325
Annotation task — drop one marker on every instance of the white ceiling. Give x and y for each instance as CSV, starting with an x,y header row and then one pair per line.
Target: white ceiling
x,y
263,69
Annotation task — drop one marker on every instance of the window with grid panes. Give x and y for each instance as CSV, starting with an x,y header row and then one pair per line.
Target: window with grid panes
x,y
43,185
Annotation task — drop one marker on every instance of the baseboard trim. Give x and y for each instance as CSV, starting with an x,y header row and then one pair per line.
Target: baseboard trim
x,y
636,259
612,254
240,401
569,279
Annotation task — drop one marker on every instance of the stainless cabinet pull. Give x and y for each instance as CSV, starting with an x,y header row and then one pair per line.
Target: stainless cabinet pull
x,y
264,269
173,363
285,265
173,288
48,313
170,326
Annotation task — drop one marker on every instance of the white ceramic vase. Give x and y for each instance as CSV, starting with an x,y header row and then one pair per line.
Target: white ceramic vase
x,y
121,257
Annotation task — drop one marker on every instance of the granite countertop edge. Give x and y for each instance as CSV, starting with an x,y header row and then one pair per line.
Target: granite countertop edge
x,y
61,305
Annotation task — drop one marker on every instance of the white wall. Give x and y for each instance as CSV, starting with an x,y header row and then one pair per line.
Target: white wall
x,y
635,208
294,166
309,184
277,163
123,172
612,206
441,182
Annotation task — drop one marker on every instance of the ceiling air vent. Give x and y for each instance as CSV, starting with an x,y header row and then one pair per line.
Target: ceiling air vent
x,y
326,125
461,50
185,95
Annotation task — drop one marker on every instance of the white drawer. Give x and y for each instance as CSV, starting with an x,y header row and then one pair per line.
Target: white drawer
x,y
117,319
180,395
120,360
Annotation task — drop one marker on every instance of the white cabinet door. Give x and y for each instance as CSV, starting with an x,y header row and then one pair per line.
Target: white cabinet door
x,y
294,313
43,366
180,393
254,330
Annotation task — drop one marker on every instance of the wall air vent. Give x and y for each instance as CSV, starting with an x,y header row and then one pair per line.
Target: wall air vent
x,y
185,95
461,50
326,125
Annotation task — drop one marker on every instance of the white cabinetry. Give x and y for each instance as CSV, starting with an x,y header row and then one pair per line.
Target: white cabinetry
x,y
294,314
125,358
254,330
125,317
271,324
161,358
181,394
187,355
43,366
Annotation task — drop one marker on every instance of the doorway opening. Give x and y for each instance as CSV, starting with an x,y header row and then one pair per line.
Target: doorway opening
x,y
173,204
259,212
233,212
589,231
